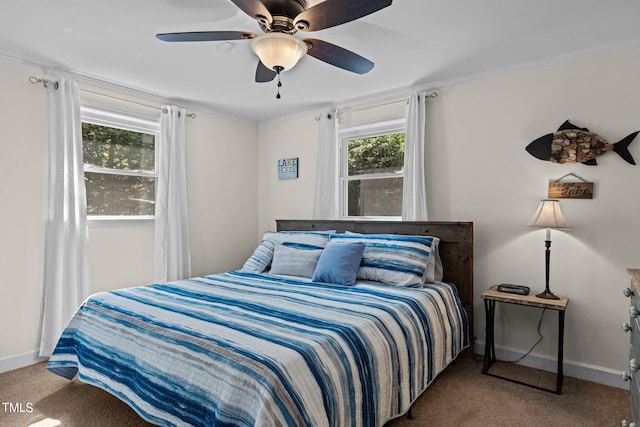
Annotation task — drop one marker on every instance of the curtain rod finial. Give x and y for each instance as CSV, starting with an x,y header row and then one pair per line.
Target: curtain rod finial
x,y
45,82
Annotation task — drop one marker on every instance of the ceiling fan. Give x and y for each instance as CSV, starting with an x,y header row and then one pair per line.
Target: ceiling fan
x,y
278,49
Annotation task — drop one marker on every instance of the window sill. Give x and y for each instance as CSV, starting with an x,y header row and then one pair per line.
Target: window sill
x,y
119,221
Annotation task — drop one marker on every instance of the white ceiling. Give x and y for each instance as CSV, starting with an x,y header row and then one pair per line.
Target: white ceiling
x,y
414,43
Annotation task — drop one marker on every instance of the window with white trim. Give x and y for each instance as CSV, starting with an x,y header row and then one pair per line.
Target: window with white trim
x,y
372,169
120,160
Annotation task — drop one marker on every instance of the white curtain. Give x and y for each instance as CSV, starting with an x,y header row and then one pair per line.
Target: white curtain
x,y
66,276
326,202
414,193
172,254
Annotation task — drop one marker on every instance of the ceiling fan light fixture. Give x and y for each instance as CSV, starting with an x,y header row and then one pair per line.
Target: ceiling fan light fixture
x,y
279,50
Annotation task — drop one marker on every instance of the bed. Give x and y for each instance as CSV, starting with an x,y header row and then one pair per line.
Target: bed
x,y
249,348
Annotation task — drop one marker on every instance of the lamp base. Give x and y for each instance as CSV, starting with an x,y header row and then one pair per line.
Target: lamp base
x,y
547,294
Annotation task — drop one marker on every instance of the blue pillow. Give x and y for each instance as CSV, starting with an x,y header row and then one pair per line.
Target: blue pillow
x,y
339,263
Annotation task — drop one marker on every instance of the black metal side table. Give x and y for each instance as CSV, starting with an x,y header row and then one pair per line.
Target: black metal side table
x,y
491,296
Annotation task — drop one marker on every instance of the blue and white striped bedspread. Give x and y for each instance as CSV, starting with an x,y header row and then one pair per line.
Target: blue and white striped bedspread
x,y
248,349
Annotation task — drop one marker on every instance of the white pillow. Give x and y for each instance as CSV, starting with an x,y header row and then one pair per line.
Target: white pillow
x,y
434,270
294,262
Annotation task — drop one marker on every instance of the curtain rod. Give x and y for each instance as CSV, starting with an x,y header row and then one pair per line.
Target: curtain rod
x,y
368,107
47,82
190,115
431,95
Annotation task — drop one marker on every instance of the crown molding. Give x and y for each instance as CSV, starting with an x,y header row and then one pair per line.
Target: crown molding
x,y
367,100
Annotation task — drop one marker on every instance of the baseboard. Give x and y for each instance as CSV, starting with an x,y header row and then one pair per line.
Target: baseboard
x,y
583,371
16,361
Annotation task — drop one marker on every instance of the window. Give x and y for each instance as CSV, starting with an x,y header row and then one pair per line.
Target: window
x,y
119,164
372,170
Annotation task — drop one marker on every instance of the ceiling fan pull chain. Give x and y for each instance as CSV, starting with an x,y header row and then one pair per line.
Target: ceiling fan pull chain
x,y
279,86
278,69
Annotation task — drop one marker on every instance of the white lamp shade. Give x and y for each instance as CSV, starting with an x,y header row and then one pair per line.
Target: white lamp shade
x,y
548,215
279,50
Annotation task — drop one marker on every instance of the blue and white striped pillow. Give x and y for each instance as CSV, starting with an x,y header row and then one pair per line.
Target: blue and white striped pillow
x,y
260,258
300,239
392,259
263,254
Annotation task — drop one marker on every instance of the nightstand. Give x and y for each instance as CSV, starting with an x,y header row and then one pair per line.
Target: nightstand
x,y
491,296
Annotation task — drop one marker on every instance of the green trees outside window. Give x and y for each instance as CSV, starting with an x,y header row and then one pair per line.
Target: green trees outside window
x,y
119,171
375,166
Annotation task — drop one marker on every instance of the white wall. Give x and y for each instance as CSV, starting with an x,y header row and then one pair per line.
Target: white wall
x,y
478,170
481,130
287,198
120,256
222,160
23,173
222,176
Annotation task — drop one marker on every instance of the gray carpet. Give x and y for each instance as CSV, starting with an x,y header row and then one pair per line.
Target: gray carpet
x,y
460,396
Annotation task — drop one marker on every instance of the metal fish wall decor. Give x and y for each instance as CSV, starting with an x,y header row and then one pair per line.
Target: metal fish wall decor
x,y
572,144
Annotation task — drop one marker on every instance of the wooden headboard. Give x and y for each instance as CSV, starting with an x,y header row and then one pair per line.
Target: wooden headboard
x,y
456,246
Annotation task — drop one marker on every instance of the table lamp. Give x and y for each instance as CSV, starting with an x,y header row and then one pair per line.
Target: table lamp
x,y
548,215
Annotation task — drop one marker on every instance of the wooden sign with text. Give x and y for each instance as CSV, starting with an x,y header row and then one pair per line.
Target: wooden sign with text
x,y
570,190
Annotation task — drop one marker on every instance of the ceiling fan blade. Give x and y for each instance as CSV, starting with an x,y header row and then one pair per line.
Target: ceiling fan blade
x,y
337,56
264,74
205,36
330,13
253,8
